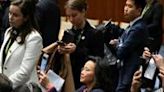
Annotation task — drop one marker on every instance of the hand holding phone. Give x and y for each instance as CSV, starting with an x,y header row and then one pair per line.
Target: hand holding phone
x,y
61,43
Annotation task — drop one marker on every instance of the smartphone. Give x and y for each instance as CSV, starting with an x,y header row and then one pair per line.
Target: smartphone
x,y
44,62
68,36
61,43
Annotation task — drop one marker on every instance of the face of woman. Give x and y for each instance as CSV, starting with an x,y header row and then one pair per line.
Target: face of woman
x,y
16,18
88,72
75,17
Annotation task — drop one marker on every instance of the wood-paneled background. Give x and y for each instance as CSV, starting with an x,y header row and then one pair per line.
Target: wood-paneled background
x,y
103,9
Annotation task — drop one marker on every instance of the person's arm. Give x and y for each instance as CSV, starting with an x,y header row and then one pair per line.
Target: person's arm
x,y
136,38
33,46
161,74
136,82
44,81
159,60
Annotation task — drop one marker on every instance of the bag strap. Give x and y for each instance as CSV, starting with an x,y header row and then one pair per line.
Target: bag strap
x,y
51,60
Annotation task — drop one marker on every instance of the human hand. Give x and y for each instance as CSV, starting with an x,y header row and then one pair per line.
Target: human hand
x,y
67,49
113,42
159,60
136,82
43,79
146,54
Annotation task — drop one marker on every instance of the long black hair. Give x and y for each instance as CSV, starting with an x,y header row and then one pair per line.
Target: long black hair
x,y
103,75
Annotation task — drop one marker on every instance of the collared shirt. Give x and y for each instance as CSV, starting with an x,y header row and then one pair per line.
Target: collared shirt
x,y
135,20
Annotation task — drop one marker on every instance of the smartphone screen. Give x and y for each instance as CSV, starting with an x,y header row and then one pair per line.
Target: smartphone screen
x,y
44,62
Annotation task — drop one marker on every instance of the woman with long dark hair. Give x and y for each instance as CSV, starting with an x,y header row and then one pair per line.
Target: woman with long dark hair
x,y
22,43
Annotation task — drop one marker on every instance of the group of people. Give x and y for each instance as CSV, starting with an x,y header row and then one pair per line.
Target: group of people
x,y
24,40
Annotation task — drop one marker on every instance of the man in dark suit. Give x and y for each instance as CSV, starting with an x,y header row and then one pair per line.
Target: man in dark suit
x,y
129,46
152,16
48,16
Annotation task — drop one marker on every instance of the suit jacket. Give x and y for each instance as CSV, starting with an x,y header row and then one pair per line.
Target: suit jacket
x,y
129,51
20,61
48,17
82,88
153,20
87,44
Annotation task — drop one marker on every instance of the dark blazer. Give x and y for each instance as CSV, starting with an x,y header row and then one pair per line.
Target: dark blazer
x,y
81,89
129,52
153,20
88,44
48,16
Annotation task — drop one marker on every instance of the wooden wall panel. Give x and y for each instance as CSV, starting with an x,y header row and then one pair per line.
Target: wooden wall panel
x,y
103,9
162,2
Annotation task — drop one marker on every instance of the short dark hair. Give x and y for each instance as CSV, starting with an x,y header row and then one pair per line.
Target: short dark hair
x,y
5,84
140,3
79,5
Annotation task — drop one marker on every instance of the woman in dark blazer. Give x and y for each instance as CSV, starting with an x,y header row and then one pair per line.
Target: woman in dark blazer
x,y
85,41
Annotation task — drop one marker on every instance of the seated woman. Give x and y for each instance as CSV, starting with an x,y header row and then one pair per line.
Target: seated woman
x,y
87,77
95,76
